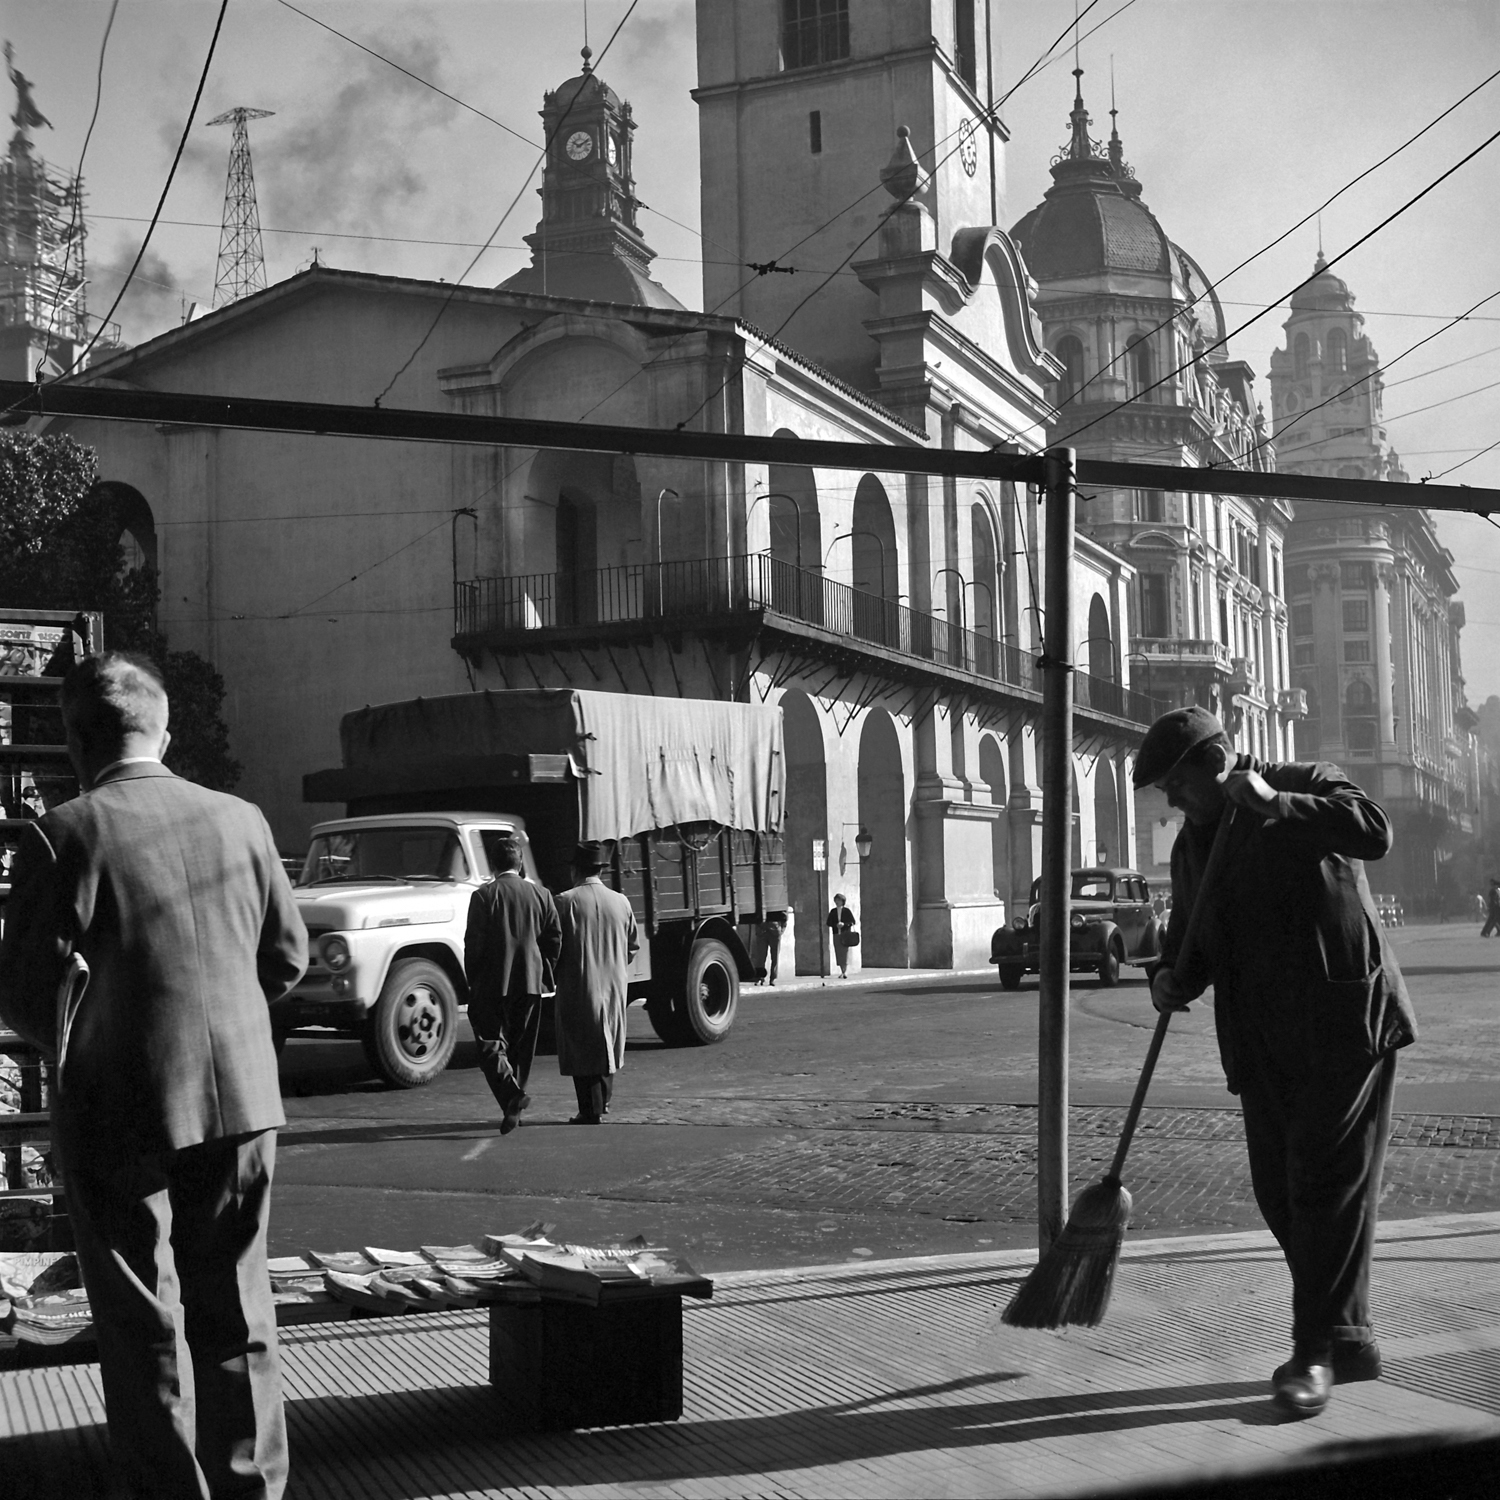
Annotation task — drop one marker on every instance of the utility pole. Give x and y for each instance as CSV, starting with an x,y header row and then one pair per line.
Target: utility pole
x,y
1056,732
242,261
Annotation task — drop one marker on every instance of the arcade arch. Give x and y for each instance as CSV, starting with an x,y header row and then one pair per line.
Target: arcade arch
x,y
883,915
806,820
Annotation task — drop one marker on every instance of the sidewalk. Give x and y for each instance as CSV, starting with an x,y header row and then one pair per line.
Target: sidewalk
x,y
894,1378
789,983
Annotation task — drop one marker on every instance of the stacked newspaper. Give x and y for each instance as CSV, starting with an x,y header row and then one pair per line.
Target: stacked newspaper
x,y
601,1274
41,1299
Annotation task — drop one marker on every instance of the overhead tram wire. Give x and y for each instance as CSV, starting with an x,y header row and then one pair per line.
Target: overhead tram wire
x,y
510,208
161,202
1354,384
1286,234
415,77
990,112
1432,478
1272,306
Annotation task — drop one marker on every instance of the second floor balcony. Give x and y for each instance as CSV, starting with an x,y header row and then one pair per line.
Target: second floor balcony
x,y
756,594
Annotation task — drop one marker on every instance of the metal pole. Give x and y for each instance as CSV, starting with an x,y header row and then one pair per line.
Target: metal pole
x,y
1057,817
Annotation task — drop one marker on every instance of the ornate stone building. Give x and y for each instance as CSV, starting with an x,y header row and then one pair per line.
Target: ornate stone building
x,y
892,617
1374,621
1137,330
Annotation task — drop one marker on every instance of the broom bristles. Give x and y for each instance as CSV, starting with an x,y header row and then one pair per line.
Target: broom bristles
x,y
1070,1285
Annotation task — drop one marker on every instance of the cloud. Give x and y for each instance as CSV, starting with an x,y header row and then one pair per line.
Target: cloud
x,y
153,302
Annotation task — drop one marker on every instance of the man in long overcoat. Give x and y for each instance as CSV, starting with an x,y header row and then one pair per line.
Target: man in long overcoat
x,y
165,1094
1310,1009
511,943
593,979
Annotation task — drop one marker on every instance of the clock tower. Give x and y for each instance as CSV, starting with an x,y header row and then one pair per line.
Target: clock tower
x,y
588,245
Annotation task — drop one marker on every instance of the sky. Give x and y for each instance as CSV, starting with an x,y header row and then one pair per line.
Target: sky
x,y
1239,117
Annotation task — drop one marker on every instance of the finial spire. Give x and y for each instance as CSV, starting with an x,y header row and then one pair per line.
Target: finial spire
x,y
587,52
1116,148
1079,147
1322,260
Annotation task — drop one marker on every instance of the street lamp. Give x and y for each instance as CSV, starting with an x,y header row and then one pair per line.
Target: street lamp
x,y
863,843
874,537
790,500
662,496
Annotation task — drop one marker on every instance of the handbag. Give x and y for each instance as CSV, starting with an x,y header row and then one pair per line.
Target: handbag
x,y
851,938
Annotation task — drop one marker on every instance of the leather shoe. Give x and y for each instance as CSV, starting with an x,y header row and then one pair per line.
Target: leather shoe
x,y
512,1116
584,1120
1355,1362
1302,1385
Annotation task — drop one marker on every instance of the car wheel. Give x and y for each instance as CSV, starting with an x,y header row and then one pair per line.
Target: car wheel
x,y
410,1033
710,992
1011,976
1109,966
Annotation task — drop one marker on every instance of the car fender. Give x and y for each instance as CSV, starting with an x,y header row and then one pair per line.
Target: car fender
x,y
1006,943
1094,936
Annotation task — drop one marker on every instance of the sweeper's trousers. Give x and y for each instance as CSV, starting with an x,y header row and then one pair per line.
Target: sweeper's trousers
x,y
1316,1137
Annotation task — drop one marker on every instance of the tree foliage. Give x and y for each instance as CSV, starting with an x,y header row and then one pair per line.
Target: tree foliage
x,y
60,548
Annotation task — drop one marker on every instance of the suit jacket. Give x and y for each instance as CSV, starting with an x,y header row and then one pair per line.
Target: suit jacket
x,y
1292,942
511,942
593,979
176,899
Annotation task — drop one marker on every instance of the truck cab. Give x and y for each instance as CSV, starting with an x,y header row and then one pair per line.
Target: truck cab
x,y
386,902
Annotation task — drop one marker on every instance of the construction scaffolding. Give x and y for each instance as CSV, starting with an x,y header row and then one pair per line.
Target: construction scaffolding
x,y
43,276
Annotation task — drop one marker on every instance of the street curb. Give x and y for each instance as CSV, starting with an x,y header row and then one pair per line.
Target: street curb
x,y
861,981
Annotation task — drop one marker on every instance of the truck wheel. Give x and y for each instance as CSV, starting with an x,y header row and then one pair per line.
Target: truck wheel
x,y
710,992
1011,976
665,1021
1109,965
410,1033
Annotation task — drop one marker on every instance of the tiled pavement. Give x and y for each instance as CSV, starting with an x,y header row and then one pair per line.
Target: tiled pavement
x,y
894,1378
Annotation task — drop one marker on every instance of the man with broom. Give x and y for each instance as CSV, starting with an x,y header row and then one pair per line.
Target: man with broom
x,y
1310,1010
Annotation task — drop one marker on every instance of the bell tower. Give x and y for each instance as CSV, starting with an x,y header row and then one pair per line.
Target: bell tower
x,y
588,244
799,105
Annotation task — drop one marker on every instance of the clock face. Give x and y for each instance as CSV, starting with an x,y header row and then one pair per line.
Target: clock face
x,y
968,147
580,143
614,151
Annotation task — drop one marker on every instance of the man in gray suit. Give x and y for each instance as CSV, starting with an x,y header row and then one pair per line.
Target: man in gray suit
x,y
166,1100
510,945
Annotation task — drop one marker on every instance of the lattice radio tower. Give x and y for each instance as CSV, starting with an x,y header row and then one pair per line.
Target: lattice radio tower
x,y
242,261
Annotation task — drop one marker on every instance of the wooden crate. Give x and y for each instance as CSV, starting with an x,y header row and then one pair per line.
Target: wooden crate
x,y
558,1364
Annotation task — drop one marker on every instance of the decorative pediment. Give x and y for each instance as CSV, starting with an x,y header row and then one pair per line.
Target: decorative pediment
x,y
989,248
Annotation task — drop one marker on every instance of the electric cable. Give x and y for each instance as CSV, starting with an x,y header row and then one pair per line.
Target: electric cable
x,y
1286,296
1271,245
1428,479
161,202
416,77
510,208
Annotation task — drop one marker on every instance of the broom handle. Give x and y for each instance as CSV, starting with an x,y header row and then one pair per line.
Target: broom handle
x,y
1189,937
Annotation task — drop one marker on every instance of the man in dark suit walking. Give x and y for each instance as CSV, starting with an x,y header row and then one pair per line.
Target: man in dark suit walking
x,y
165,1101
511,943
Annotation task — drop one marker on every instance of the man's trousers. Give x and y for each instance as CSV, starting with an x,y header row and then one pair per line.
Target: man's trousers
x,y
506,1031
1316,1136
172,1246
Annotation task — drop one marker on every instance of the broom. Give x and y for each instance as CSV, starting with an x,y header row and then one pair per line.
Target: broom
x,y
1071,1284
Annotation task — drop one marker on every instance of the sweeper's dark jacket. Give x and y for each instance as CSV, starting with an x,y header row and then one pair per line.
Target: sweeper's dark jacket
x,y
1291,941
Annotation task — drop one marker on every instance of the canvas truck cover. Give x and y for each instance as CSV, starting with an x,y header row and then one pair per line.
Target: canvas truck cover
x,y
640,762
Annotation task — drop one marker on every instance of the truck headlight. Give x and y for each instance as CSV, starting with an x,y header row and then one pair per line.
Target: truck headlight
x,y
1076,920
1019,924
335,951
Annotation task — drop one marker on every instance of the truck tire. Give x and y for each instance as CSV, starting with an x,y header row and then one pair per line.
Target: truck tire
x,y
412,1029
1109,965
710,993
1011,975
665,1020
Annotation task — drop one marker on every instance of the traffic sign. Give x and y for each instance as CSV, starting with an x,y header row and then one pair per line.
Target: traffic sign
x,y
820,854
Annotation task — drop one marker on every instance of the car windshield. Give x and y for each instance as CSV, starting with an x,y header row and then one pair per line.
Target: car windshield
x,y
412,853
1088,885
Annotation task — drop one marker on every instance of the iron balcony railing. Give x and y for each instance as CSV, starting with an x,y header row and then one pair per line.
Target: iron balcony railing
x,y
757,582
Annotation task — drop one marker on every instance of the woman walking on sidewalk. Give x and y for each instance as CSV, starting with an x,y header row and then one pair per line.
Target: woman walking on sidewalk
x,y
841,924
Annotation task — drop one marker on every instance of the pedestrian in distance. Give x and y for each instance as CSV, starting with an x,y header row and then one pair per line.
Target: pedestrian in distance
x,y
593,983
771,931
511,944
841,925
165,1096
1310,1009
1492,911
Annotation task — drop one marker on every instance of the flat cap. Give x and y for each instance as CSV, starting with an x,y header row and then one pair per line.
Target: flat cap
x,y
1170,738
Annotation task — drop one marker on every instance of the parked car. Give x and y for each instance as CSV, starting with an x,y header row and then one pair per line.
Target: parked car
x,y
1113,923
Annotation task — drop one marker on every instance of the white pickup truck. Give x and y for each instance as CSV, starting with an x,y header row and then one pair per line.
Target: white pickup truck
x,y
386,901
